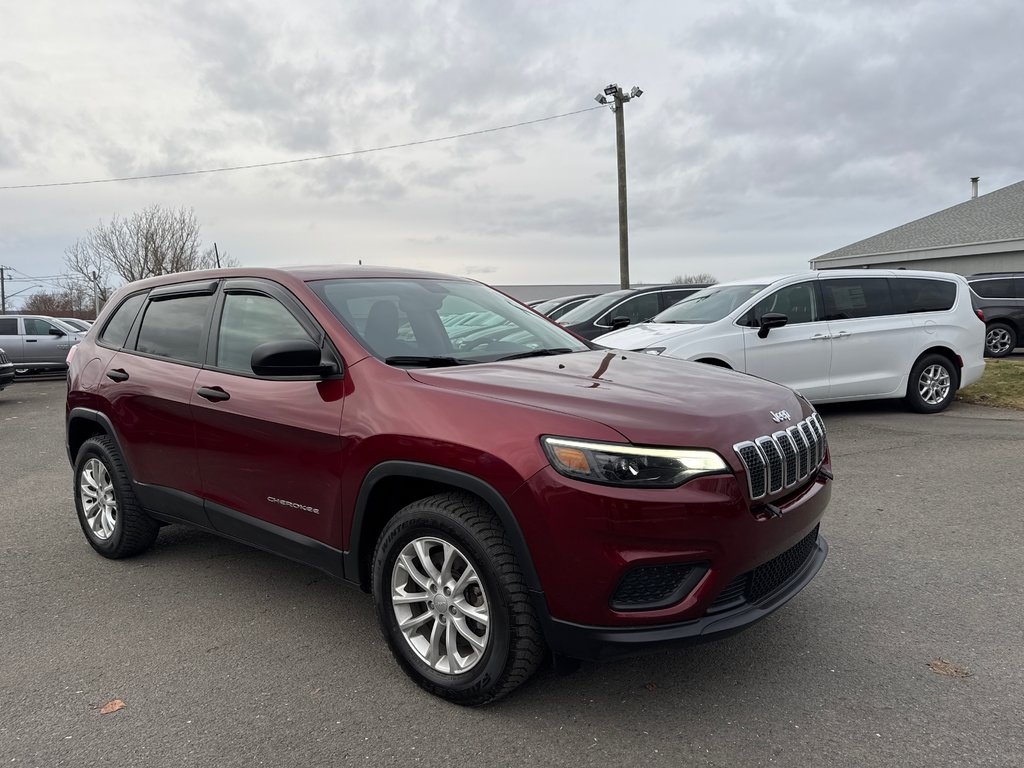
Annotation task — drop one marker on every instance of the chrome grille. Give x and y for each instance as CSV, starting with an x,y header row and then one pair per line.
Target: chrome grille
x,y
3,358
783,459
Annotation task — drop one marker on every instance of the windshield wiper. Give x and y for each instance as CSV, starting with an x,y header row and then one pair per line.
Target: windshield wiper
x,y
535,353
426,361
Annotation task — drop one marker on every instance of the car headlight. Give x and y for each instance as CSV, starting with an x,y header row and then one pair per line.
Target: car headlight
x,y
629,465
651,350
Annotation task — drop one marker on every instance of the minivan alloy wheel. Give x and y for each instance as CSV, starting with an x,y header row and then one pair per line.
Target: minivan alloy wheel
x,y
934,384
998,341
99,505
440,605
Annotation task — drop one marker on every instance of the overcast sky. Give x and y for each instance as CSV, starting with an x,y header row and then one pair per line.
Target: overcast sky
x,y
768,132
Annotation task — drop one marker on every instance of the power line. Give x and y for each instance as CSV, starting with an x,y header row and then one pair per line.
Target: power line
x,y
300,159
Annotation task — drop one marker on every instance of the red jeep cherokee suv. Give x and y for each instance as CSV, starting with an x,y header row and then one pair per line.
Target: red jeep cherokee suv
x,y
502,487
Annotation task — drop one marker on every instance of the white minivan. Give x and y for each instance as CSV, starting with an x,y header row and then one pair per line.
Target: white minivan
x,y
835,335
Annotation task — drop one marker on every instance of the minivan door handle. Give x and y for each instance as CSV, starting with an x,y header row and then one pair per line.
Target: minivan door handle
x,y
819,336
841,334
213,394
117,374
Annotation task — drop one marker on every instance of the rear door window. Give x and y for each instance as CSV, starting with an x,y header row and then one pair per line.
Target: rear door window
x,y
174,328
849,298
8,326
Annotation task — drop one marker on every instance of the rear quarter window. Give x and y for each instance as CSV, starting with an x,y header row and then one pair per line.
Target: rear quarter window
x,y
995,288
913,294
120,324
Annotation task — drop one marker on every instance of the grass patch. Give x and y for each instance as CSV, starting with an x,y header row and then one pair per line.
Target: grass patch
x,y
1002,385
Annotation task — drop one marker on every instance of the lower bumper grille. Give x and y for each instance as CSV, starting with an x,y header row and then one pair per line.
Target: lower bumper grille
x,y
761,582
655,586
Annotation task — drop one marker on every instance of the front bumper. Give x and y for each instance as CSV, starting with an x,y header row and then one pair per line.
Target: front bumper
x,y
6,375
600,643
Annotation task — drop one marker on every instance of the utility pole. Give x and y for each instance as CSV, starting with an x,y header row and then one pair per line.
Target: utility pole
x,y
3,292
216,253
618,98
95,296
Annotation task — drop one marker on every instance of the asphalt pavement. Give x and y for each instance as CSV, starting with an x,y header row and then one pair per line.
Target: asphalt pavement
x,y
227,656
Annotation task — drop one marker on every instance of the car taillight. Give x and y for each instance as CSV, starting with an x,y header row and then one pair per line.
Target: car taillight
x,y
980,314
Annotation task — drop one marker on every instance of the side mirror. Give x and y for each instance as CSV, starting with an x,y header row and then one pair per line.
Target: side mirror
x,y
57,332
620,322
290,357
771,320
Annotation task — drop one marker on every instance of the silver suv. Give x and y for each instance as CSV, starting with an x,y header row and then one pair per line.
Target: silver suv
x,y
36,343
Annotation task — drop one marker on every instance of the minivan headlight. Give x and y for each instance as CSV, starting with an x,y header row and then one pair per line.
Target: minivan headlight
x,y
629,465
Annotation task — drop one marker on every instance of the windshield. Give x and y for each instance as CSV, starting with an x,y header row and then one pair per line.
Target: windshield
x,y
709,305
420,321
588,310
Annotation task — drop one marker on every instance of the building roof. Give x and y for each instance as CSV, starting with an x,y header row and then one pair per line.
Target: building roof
x,y
997,217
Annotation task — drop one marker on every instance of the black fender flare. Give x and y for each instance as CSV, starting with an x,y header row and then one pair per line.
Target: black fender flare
x,y
97,417
446,476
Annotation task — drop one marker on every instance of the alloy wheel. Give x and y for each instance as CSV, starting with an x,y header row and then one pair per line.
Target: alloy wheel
x,y
99,505
998,342
934,384
440,605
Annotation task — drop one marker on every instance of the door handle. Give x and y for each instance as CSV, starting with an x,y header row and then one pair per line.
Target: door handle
x,y
213,394
31,341
117,374
841,334
818,336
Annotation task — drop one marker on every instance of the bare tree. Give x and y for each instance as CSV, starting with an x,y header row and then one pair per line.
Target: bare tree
x,y
700,277
70,299
153,241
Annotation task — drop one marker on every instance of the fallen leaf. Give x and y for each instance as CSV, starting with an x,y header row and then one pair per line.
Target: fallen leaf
x,y
948,668
112,706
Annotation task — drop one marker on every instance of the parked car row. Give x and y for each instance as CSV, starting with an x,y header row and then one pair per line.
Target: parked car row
x,y
834,335
36,343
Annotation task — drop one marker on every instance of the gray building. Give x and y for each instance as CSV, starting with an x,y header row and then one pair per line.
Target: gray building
x,y
984,234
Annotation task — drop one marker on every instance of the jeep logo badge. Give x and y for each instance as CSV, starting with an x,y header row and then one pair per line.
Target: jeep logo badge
x,y
779,416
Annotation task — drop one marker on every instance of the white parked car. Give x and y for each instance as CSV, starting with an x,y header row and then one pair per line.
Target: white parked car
x,y
832,335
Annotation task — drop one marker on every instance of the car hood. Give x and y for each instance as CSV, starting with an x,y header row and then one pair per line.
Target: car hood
x,y
646,335
649,400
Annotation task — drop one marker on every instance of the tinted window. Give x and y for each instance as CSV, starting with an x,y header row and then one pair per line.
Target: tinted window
x,y
916,294
996,288
639,308
592,308
120,323
797,302
249,320
8,326
174,327
849,298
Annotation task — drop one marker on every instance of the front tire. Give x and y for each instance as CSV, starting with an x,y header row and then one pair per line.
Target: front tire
x,y
452,602
1000,340
111,517
933,383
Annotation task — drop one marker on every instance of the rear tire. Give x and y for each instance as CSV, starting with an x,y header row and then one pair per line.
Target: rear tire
x,y
1000,340
452,602
933,383
111,517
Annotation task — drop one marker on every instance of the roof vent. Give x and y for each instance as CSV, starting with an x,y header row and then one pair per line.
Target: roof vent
x,y
974,186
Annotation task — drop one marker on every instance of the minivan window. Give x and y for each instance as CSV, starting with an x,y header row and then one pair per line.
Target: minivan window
x,y
995,288
919,294
8,326
709,305
247,321
639,308
173,327
120,324
798,302
850,298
